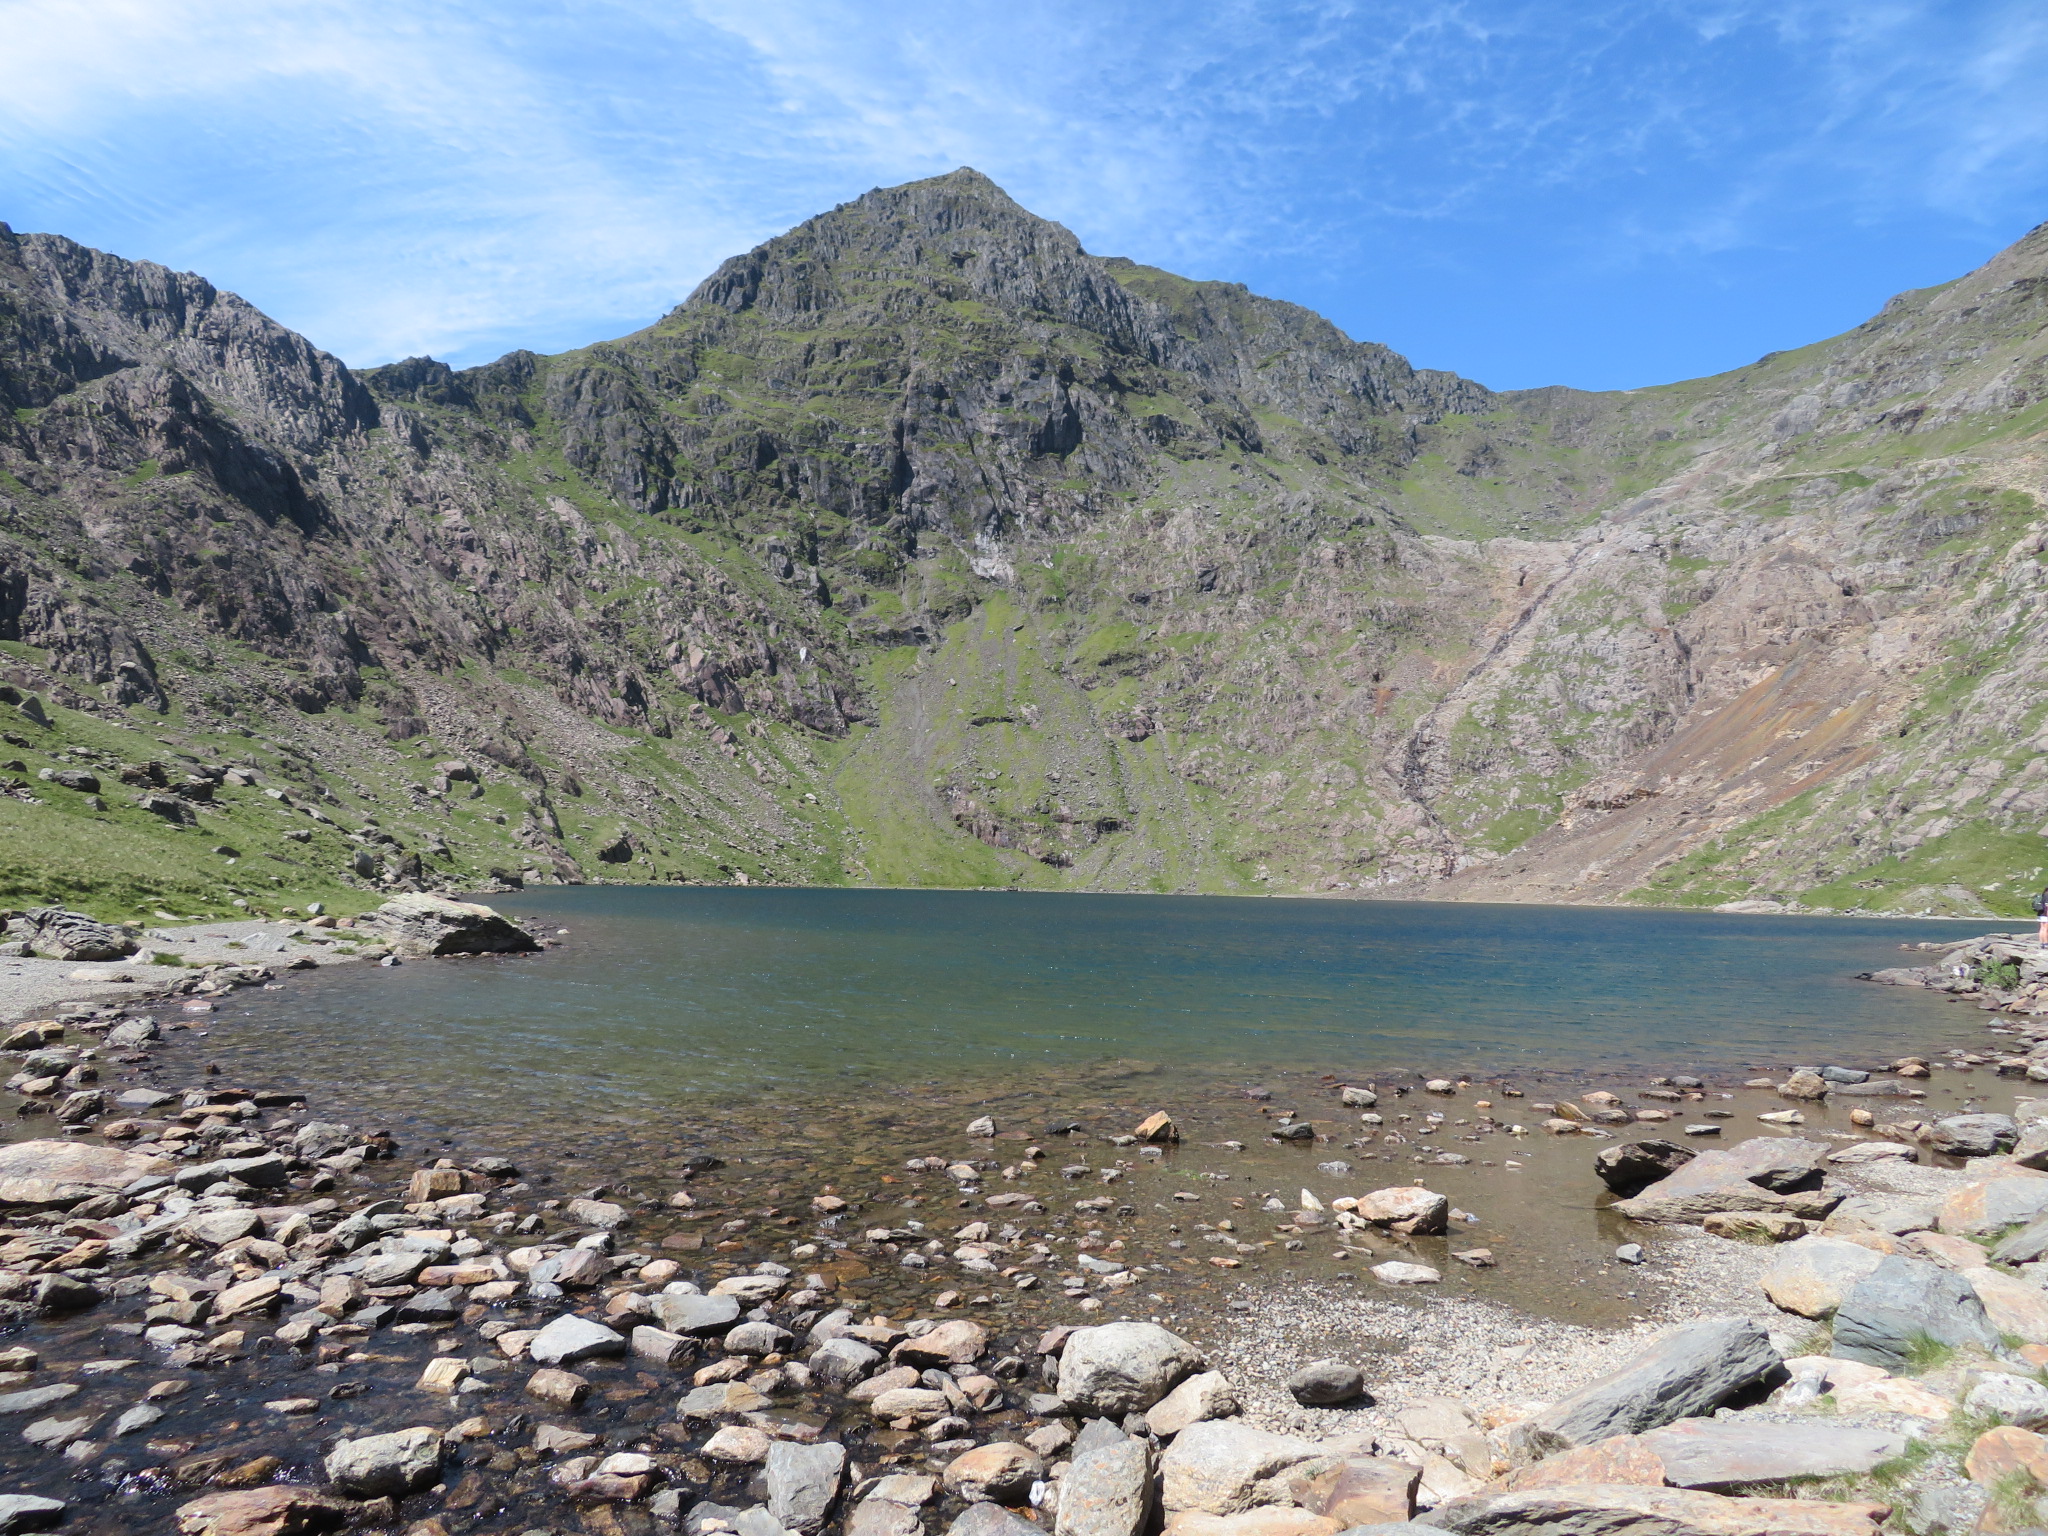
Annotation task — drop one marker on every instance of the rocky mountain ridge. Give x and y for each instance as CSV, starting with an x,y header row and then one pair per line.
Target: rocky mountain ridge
x,y
919,545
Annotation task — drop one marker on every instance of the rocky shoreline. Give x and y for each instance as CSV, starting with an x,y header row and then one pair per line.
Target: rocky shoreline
x,y
232,1315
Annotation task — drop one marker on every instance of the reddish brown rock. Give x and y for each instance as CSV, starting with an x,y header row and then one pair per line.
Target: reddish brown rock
x,y
1620,1459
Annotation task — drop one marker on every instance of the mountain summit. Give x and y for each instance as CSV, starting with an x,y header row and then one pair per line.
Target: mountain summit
x,y
918,545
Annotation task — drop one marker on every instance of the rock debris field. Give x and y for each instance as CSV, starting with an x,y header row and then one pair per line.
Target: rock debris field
x,y
228,1314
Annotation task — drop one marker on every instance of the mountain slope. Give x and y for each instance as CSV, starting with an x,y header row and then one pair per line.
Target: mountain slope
x,y
921,546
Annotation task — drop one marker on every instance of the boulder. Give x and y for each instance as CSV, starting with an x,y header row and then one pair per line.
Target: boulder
x,y
2028,1245
570,1338
2005,1456
1123,1368
990,1520
1630,1167
1322,1382
842,1362
1719,1454
1811,1276
696,1314
2006,1199
1690,1370
1621,1510
1617,1459
719,1400
395,1464
2012,1306
1216,1466
281,1510
1356,1490
1888,1314
1753,1175
28,1512
803,1480
1001,1472
1205,1395
60,935
1408,1209
1107,1491
433,925
957,1342
49,1175
1894,1215
1873,1152
2016,1399
1973,1135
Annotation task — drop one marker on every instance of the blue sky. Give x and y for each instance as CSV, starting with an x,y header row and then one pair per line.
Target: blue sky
x,y
1604,195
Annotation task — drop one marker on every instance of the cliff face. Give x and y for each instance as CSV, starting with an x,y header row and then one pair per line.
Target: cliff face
x,y
919,545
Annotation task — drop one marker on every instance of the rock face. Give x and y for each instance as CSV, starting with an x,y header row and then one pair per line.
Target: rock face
x,y
433,925
1903,1301
1690,1370
1120,1368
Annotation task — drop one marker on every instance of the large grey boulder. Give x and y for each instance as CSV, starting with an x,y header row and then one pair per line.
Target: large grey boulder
x,y
803,1480
434,925
1630,1167
27,1512
1122,1368
696,1314
1973,1135
1107,1491
1719,1454
842,1362
402,1462
1216,1466
570,1338
1690,1370
1906,1303
60,935
1754,1175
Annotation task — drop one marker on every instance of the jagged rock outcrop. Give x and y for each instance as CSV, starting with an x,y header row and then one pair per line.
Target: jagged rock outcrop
x,y
1099,577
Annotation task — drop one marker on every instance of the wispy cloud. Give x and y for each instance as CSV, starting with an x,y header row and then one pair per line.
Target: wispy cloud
x,y
1491,182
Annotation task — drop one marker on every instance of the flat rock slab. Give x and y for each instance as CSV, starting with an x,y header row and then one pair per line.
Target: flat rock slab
x,y
803,1481
696,1314
1616,1510
53,1173
1718,1454
1690,1370
570,1338
1991,1205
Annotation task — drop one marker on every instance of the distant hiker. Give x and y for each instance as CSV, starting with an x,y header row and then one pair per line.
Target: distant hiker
x,y
2041,911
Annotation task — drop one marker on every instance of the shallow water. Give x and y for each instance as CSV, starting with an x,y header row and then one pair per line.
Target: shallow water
x,y
818,1039
660,992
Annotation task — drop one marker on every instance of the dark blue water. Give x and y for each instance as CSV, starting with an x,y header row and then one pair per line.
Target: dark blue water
x,y
658,991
